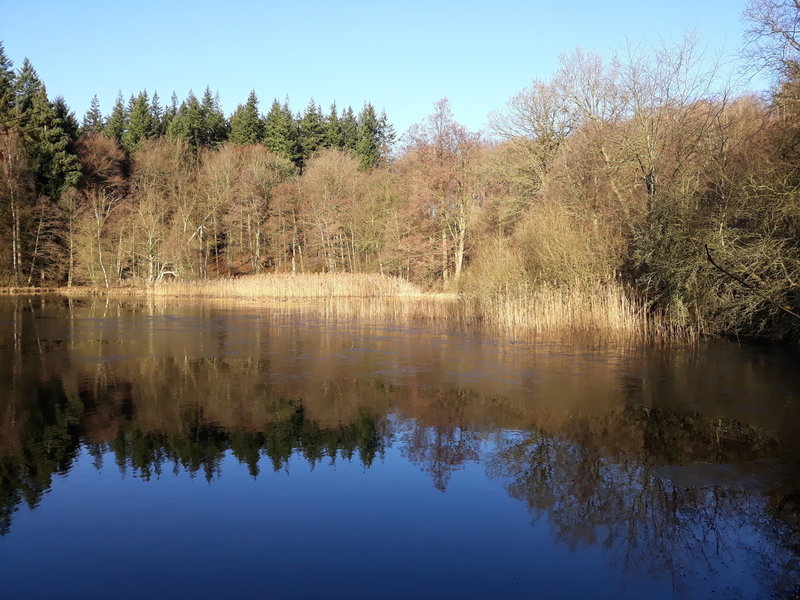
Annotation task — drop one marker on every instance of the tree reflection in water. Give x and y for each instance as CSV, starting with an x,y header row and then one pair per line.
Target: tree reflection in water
x,y
608,458
630,502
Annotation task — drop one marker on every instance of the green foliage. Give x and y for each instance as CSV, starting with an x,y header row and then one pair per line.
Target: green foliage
x,y
157,116
93,121
169,114
312,130
47,131
334,137
214,126
368,137
117,122
280,132
349,127
7,87
141,124
199,123
246,125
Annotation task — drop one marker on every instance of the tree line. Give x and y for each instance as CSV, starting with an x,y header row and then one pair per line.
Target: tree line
x,y
641,168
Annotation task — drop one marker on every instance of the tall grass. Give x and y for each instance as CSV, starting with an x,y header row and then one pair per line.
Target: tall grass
x,y
283,286
603,311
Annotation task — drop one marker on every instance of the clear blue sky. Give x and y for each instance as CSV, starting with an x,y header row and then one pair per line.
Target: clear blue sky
x,y
400,55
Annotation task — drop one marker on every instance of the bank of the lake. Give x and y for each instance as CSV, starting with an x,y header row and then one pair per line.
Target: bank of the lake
x,y
604,311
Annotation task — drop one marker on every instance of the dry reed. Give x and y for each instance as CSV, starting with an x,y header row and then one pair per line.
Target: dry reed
x,y
314,285
601,312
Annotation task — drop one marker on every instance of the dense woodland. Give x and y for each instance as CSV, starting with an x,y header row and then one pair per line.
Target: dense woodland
x,y
642,169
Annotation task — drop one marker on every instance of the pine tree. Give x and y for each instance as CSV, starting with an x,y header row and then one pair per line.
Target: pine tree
x,y
188,122
169,113
333,129
157,116
312,130
47,131
386,137
117,122
93,119
66,118
140,122
367,138
280,132
6,87
214,127
27,86
246,124
349,127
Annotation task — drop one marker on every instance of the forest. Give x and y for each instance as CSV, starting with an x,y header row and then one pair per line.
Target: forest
x,y
644,172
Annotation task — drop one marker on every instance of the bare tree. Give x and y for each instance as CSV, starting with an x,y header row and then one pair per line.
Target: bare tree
x,y
772,39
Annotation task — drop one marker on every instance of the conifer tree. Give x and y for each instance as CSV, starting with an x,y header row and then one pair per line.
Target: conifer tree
x,y
349,127
214,128
93,119
386,136
169,113
312,130
187,124
246,124
6,87
45,133
117,122
280,132
367,138
140,122
157,116
333,129
66,119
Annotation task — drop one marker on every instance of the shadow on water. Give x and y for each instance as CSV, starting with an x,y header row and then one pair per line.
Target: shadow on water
x,y
680,463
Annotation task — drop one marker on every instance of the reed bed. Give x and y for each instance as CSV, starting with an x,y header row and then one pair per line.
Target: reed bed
x,y
313,285
601,312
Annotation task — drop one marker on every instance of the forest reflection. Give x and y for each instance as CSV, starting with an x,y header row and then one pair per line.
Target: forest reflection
x,y
663,488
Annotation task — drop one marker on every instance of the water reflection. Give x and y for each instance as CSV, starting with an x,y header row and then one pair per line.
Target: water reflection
x,y
679,464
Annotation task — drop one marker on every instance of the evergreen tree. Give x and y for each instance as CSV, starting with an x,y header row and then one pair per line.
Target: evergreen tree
x,y
93,119
214,129
156,116
246,124
187,124
386,136
169,113
6,87
333,129
311,130
140,122
66,119
117,122
47,131
280,132
349,127
367,138
27,86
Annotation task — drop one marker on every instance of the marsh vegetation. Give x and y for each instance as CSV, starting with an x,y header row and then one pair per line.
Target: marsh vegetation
x,y
636,191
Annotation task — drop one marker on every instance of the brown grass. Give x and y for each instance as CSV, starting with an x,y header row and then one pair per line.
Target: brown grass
x,y
315,285
600,312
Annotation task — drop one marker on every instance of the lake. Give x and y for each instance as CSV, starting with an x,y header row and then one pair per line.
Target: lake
x,y
196,450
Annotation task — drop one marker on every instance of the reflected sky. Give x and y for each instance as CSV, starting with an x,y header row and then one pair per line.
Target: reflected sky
x,y
194,450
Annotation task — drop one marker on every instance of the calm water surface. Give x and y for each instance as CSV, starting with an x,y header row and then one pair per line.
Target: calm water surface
x,y
192,451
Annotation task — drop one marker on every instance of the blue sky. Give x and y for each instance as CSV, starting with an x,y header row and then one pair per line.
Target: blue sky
x,y
401,56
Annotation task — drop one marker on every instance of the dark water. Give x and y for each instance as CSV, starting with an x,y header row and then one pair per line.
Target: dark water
x,y
189,451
